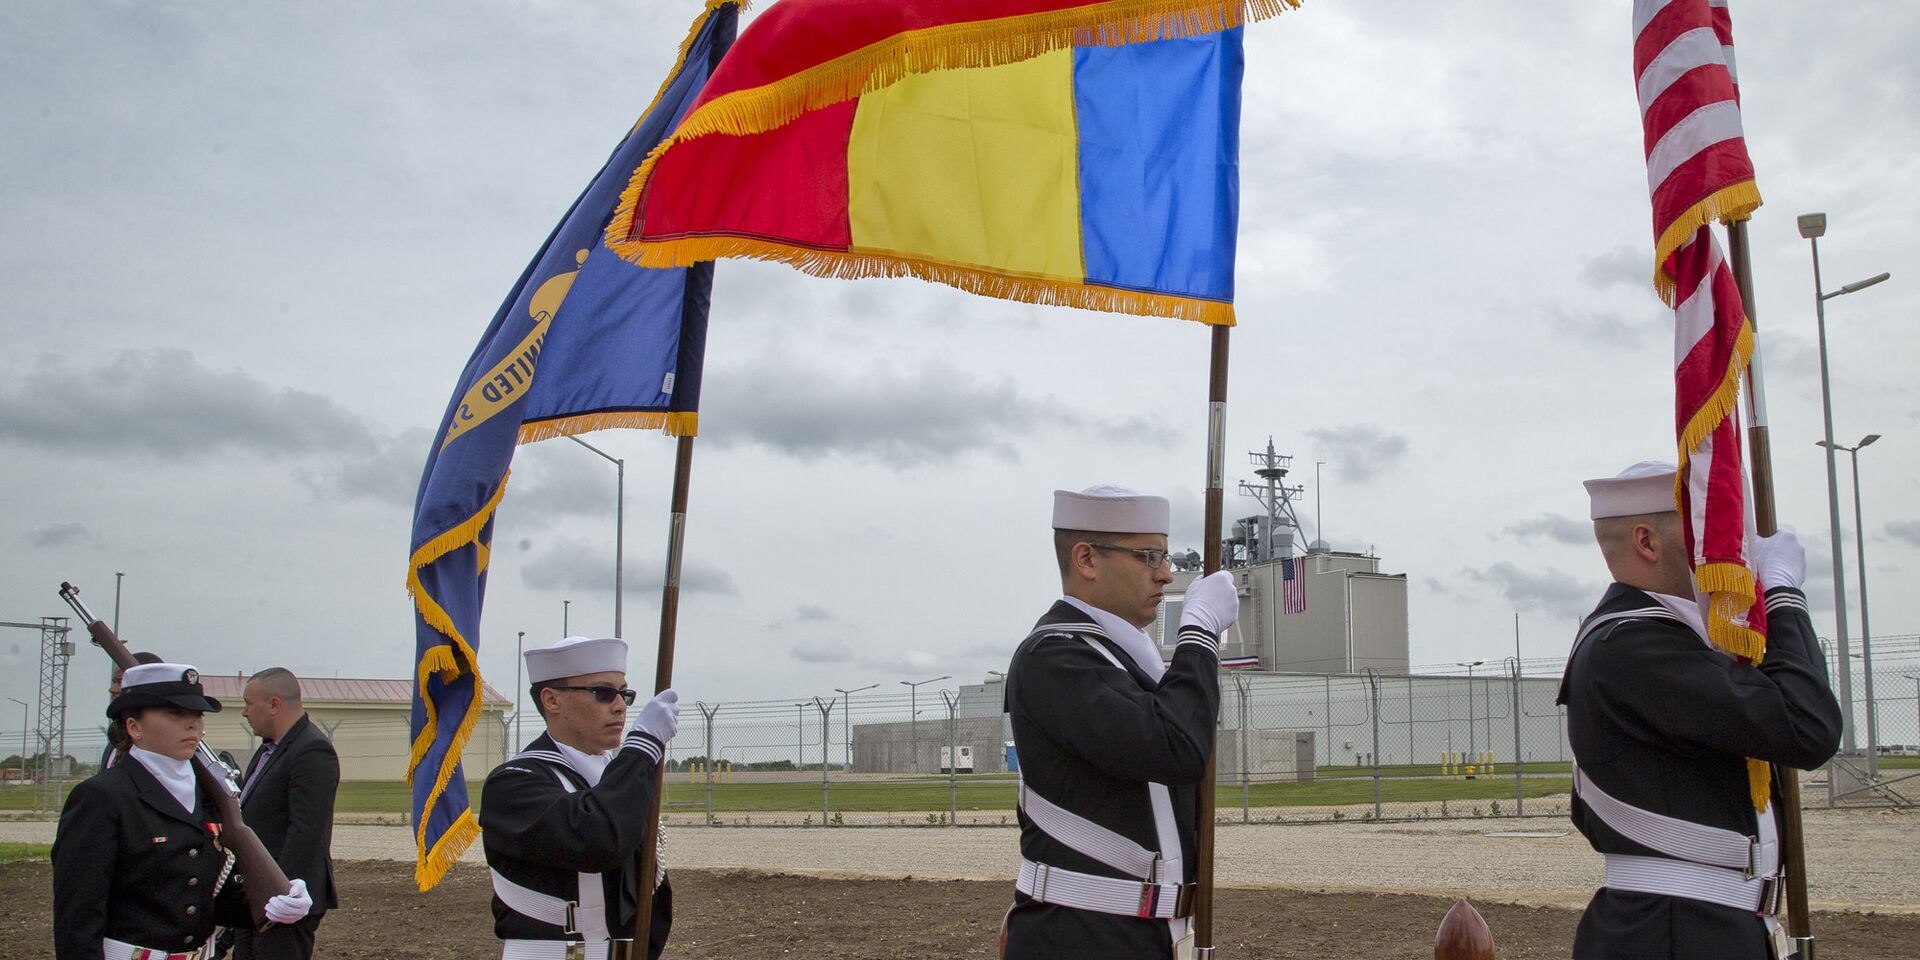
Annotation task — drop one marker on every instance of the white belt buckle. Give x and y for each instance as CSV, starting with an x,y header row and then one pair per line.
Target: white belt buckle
x,y
572,924
1753,855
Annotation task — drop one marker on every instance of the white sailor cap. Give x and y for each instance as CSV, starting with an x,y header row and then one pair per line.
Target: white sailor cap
x,y
1646,487
577,656
161,685
1111,508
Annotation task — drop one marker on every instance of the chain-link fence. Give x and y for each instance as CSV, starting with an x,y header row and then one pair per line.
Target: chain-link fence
x,y
1460,739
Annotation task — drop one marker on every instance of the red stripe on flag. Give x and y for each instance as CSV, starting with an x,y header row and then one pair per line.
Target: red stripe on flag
x,y
711,181
1710,83
1677,18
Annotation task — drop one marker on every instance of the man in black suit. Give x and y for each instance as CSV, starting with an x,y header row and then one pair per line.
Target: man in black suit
x,y
287,798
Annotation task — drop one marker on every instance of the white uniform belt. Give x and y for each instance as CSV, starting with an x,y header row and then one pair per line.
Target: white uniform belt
x,y
568,915
1695,881
113,949
1674,837
1084,891
1087,838
553,950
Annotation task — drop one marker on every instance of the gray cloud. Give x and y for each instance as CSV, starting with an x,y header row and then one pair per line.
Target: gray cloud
x,y
582,566
904,418
1906,530
1360,452
809,612
1623,265
383,469
821,651
1605,327
1552,526
556,487
1547,590
166,404
61,535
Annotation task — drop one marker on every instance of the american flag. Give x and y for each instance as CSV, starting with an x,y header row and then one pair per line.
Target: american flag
x,y
1293,574
1698,171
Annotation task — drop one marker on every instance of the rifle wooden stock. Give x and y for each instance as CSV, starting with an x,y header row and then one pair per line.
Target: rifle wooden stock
x,y
264,879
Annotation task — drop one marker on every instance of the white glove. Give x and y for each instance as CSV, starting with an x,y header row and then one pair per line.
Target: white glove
x,y
292,906
1212,603
1780,560
660,718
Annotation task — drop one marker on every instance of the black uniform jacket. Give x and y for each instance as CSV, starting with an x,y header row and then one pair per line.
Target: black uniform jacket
x,y
542,837
1662,721
132,864
1091,736
291,808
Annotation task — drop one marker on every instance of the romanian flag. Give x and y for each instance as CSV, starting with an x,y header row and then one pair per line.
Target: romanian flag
x,y
584,341
1051,151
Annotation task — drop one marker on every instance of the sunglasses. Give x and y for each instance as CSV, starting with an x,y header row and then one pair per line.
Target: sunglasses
x,y
603,694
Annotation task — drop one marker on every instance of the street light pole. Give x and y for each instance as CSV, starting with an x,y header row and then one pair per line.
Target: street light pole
x,y
846,718
1866,631
519,658
566,607
913,703
619,527
1473,749
1813,226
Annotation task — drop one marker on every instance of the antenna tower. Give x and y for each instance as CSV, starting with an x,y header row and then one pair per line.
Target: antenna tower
x,y
1274,494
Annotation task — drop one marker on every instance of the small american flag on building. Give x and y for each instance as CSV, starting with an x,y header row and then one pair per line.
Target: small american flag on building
x,y
1293,573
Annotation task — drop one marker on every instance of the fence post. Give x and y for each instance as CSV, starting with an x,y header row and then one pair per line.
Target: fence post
x,y
1411,754
826,707
1373,709
953,758
1240,684
1519,759
708,712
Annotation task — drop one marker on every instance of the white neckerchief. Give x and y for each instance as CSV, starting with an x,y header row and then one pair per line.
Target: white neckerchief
x,y
1687,609
588,765
175,775
1130,638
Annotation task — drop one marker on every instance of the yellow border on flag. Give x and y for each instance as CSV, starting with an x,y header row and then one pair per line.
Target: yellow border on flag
x,y
1729,204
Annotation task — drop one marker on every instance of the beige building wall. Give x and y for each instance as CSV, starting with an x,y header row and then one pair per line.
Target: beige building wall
x,y
1356,617
372,739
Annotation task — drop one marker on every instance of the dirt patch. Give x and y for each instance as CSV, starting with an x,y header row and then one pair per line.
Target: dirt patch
x,y
742,914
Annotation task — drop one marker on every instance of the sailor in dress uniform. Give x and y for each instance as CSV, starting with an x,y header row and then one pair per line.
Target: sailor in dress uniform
x,y
1662,723
562,820
1112,740
139,872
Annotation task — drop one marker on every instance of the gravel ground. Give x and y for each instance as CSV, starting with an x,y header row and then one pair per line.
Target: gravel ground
x,y
1860,859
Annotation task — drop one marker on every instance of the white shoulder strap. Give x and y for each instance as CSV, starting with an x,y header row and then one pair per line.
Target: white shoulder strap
x,y
1681,839
1085,837
1655,612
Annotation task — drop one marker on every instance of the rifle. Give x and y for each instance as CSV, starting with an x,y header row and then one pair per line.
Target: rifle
x,y
260,876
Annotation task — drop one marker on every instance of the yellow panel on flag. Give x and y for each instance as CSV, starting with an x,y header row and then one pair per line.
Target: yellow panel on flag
x,y
971,166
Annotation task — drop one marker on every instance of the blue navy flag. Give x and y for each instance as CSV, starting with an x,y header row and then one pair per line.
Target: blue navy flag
x,y
584,341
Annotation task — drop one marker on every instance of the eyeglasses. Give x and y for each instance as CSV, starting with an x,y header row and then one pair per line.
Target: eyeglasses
x,y
603,694
1153,558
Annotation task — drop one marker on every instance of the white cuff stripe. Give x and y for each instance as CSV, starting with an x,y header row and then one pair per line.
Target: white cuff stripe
x,y
646,744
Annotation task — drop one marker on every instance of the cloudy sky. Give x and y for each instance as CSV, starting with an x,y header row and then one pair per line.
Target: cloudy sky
x,y
249,247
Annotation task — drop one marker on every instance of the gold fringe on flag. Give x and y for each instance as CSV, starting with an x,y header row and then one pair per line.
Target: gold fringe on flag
x,y
859,264
680,59
970,45
684,423
449,661
1728,204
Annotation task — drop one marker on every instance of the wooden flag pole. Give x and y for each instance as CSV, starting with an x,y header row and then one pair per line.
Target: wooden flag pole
x,y
1793,850
1216,490
647,862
